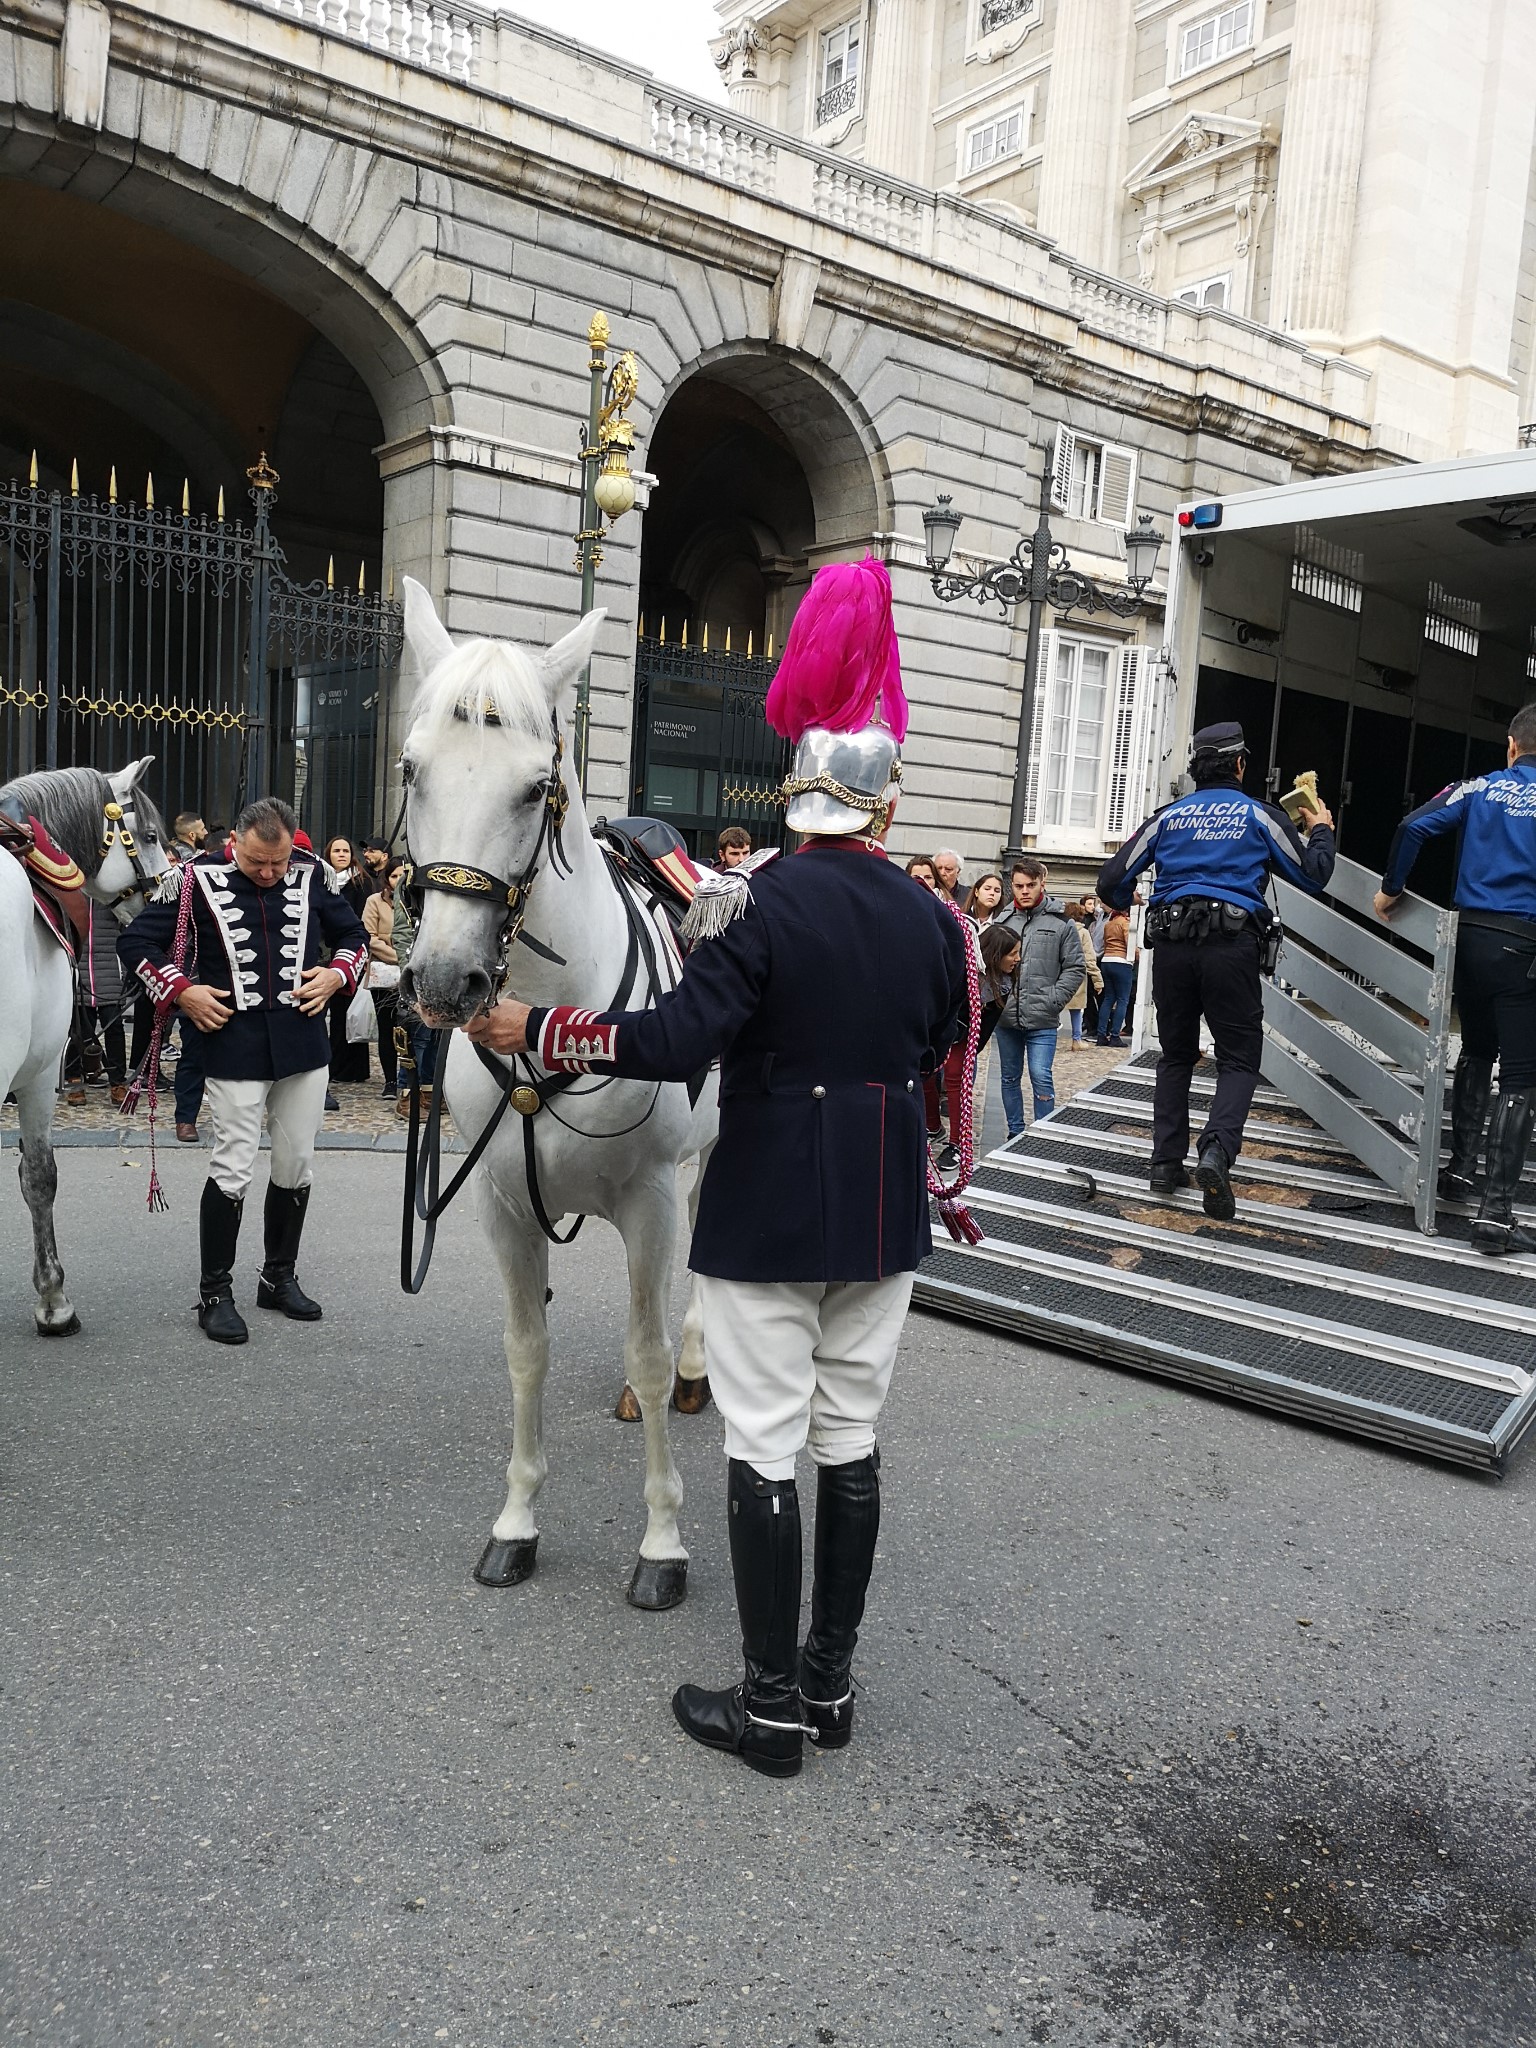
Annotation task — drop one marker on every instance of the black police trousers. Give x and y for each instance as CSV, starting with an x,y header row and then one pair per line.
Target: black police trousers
x,y
1218,979
1496,1000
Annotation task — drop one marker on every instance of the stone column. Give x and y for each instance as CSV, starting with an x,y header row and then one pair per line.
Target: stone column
x,y
898,89
741,58
1080,173
1320,152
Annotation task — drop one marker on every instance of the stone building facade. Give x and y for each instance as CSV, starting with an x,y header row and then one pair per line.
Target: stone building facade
x,y
1357,173
371,238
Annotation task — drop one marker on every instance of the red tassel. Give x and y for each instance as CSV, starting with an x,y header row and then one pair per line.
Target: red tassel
x,y
157,1199
960,1223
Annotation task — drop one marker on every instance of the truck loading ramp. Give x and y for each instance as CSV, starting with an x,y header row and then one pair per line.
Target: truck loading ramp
x,y
1322,1299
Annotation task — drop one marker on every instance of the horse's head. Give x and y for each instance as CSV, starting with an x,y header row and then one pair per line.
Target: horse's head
x,y
134,860
486,783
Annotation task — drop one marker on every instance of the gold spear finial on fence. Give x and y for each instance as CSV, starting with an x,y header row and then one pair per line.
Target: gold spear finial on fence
x,y
362,571
112,486
330,573
186,497
149,491
749,643
706,637
32,473
221,504
74,478
685,632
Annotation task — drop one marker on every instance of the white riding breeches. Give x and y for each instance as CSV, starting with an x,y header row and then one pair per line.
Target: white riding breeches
x,y
293,1108
797,1363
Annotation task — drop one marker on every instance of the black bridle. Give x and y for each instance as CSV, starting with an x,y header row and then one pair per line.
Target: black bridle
x,y
479,885
118,831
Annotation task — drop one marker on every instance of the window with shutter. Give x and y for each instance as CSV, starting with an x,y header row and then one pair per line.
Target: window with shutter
x,y
1043,686
1061,468
1126,743
1117,485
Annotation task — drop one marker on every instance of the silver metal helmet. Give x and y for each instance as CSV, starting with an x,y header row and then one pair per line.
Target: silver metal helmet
x,y
842,782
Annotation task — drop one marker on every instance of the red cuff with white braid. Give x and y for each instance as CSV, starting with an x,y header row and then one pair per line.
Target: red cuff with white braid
x,y
571,1041
164,984
351,966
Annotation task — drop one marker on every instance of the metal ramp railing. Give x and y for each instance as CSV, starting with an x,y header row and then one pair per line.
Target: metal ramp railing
x,y
1357,1028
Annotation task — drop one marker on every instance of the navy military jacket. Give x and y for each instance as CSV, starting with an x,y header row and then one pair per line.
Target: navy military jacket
x,y
1218,841
826,1001
256,943
1495,814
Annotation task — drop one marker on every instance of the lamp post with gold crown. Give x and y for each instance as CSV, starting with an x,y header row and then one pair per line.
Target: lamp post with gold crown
x,y
608,488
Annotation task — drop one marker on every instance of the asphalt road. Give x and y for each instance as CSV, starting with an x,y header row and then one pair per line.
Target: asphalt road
x,y
1181,1724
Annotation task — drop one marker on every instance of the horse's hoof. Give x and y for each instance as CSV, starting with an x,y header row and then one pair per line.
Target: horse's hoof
x,y
507,1563
628,1409
658,1583
691,1397
69,1329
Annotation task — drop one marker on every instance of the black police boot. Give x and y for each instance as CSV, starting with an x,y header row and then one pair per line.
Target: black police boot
x,y
760,1718
283,1224
1470,1089
218,1231
1213,1171
1509,1135
1168,1176
847,1523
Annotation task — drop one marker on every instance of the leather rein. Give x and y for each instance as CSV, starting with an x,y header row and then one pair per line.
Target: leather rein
x,y
521,1087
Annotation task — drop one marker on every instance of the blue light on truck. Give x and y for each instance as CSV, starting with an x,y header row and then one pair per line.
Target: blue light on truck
x,y
1197,517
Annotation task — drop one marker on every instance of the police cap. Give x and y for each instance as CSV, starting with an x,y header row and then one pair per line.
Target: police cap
x,y
1219,739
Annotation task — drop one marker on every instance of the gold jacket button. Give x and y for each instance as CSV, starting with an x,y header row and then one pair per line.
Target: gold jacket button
x,y
818,1092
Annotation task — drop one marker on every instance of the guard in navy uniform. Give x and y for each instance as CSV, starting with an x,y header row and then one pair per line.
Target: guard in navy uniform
x,y
260,916
1495,982
1214,850
827,984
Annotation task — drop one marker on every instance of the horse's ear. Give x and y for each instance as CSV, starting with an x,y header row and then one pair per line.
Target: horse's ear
x,y
126,780
425,633
560,665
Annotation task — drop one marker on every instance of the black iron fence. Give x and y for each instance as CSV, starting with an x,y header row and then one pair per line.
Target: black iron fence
x,y
704,755
132,629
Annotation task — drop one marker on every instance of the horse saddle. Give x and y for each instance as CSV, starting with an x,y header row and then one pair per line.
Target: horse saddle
x,y
56,879
653,854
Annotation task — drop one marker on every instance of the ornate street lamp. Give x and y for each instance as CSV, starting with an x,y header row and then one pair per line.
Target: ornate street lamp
x,y
608,488
1037,573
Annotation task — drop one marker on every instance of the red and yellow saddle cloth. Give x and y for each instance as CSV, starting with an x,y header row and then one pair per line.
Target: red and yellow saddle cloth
x,y
57,882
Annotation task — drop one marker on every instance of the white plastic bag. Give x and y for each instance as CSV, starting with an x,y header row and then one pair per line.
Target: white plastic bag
x,y
362,1018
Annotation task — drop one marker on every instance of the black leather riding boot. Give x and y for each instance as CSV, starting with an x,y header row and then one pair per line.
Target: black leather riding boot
x,y
847,1524
1471,1086
218,1231
283,1223
1509,1135
760,1718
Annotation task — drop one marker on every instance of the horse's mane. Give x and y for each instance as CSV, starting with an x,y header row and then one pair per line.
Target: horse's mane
x,y
70,804
484,682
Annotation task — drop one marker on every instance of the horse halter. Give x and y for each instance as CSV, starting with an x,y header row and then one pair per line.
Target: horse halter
x,y
461,878
116,831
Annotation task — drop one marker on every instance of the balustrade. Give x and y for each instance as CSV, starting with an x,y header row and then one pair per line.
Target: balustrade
x,y
708,143
866,205
437,37
1115,308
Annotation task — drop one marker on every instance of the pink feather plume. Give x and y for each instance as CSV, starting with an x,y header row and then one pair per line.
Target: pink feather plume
x,y
841,660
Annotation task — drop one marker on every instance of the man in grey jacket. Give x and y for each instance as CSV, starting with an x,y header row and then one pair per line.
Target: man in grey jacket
x,y
1050,971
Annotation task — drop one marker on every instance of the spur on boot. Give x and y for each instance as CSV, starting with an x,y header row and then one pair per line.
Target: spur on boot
x,y
1470,1088
218,1229
847,1526
283,1222
759,1719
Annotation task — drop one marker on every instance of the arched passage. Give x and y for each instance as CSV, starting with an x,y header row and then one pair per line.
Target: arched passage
x,y
762,472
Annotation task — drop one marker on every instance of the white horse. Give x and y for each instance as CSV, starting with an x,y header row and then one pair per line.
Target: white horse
x,y
491,787
121,857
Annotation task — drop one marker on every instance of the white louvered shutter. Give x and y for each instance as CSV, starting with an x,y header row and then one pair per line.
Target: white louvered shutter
x,y
1044,684
1125,743
1061,468
1117,485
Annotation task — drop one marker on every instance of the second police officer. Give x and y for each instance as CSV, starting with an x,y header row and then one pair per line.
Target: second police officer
x,y
1214,850
1494,818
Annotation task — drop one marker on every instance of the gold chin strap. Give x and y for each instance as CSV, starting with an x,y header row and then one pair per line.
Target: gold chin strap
x,y
855,799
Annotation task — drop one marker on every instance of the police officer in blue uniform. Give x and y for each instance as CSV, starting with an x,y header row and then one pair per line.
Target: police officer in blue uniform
x,y
1494,817
1214,850
827,984
262,912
